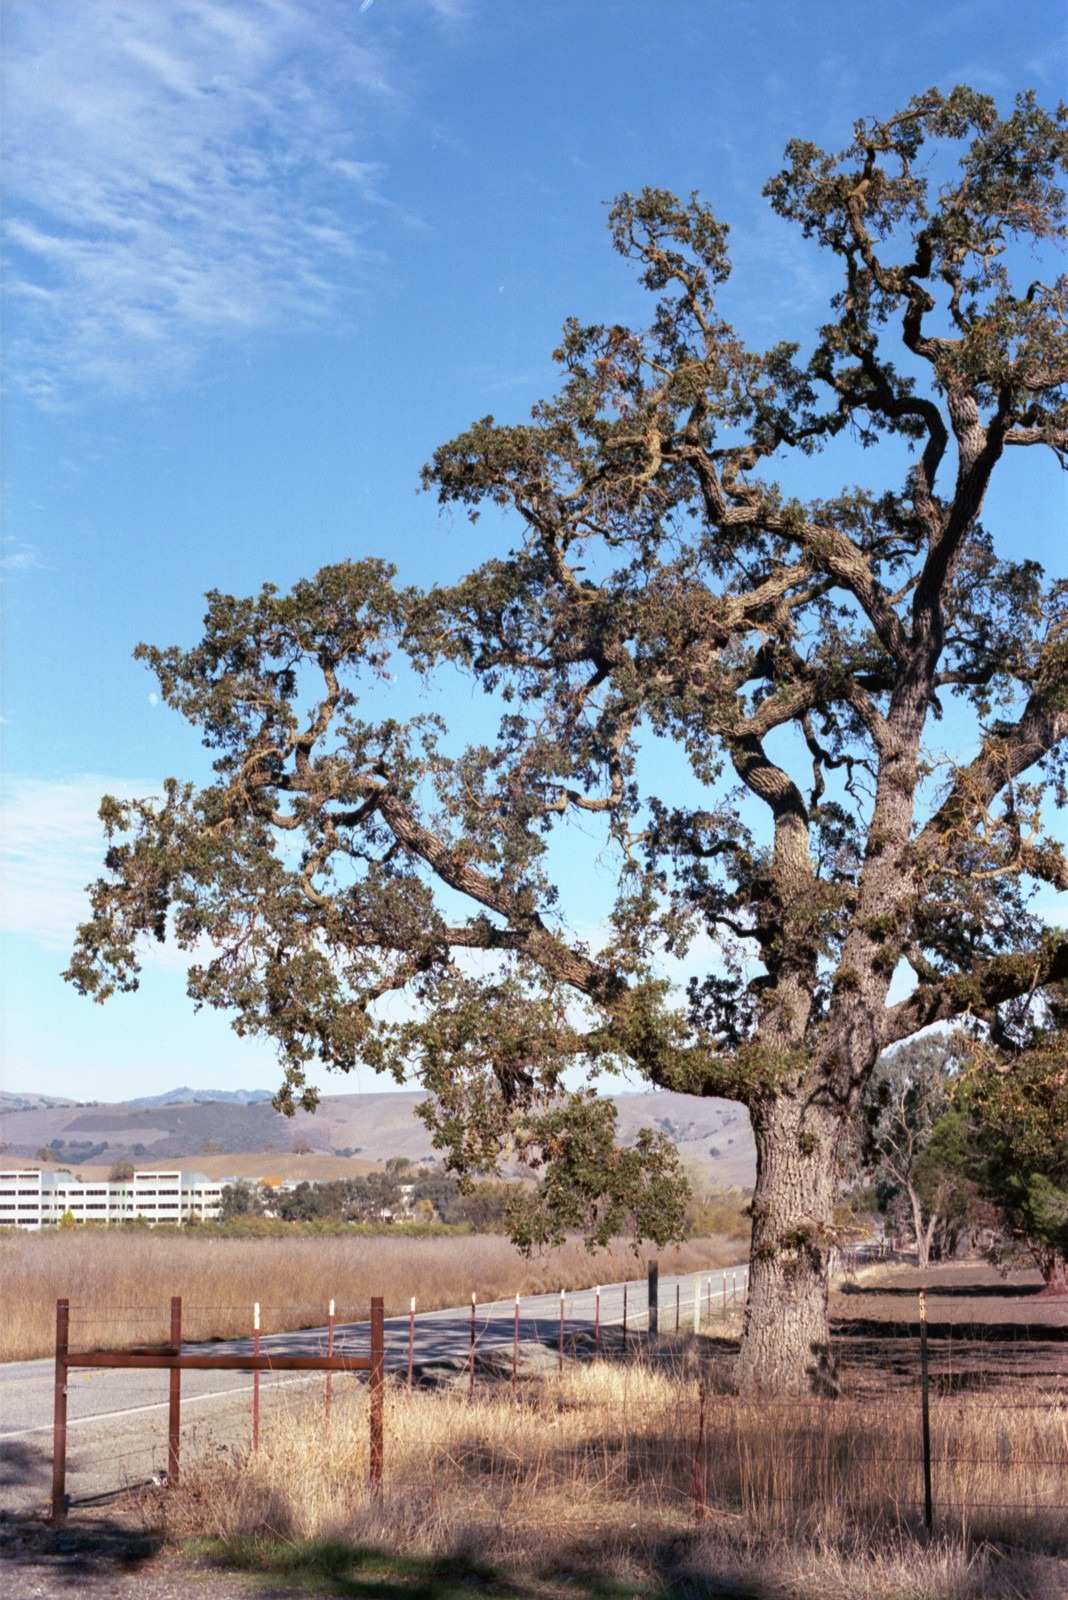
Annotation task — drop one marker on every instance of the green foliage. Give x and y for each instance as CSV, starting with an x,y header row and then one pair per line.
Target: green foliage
x,y
309,1202
240,1199
592,1185
1018,1112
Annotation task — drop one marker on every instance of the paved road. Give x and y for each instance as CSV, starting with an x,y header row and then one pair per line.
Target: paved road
x,y
117,1419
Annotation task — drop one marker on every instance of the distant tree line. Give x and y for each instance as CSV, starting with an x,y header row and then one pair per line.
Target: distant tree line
x,y
398,1192
968,1141
78,1150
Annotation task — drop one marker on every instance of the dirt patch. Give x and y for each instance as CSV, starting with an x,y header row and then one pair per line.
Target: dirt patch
x,y
107,1553
984,1329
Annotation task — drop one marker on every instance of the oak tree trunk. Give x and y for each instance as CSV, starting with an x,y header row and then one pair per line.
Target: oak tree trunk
x,y
786,1339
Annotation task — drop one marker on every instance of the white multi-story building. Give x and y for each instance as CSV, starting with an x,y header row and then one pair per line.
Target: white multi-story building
x,y
36,1199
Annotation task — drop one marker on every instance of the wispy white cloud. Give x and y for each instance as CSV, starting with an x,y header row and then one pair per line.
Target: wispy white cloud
x,y
179,175
51,847
15,556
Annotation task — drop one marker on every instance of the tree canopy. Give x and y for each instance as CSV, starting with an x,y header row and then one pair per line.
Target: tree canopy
x,y
664,591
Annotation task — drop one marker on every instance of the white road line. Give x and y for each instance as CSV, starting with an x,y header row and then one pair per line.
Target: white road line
x,y
162,1405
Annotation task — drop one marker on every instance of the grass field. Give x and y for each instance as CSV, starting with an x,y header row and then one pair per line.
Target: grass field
x,y
646,1477
642,1478
119,1282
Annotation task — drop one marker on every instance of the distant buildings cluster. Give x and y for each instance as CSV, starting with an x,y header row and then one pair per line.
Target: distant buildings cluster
x,y
36,1199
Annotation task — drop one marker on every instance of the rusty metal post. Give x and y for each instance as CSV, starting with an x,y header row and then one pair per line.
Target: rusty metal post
x,y
411,1340
515,1344
59,1426
624,1317
329,1351
927,1506
378,1373
654,1298
174,1421
678,1299
724,1297
699,1470
256,1377
561,1330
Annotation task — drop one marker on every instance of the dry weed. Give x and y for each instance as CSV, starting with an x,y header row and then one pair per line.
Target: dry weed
x,y
119,1282
603,1468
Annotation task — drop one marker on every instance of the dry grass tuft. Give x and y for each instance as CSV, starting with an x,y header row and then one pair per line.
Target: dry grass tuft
x,y
119,1282
602,1469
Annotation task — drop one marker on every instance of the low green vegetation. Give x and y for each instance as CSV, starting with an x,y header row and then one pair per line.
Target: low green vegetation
x,y
339,1567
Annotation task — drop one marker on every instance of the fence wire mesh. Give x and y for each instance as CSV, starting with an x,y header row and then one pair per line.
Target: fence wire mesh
x,y
651,1424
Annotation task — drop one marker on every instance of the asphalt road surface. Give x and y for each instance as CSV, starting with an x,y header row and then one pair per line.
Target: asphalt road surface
x,y
117,1418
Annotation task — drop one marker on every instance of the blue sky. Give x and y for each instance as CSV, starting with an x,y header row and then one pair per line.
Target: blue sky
x,y
261,257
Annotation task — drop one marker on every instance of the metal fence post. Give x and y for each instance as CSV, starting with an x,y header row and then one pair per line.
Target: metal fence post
x,y
256,1377
927,1505
561,1366
654,1298
699,1470
329,1351
59,1427
174,1421
411,1340
471,1359
378,1370
515,1344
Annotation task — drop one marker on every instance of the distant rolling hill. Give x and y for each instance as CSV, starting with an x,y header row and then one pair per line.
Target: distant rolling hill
x,y
712,1135
237,1097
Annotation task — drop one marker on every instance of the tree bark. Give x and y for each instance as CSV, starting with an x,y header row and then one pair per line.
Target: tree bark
x,y
924,1234
786,1338
1053,1267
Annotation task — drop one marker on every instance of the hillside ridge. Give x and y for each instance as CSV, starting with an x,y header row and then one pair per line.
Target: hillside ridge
x,y
713,1135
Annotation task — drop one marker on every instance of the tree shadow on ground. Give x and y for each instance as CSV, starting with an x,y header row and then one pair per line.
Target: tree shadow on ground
x,y
25,1464
72,1556
947,1291
886,1332
337,1568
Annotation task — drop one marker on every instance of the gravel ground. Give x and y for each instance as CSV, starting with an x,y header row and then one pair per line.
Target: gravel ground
x,y
106,1553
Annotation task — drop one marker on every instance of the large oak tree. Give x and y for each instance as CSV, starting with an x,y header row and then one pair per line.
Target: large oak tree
x,y
663,590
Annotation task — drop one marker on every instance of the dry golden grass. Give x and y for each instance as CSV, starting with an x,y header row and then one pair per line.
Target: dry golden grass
x,y
598,1470
119,1282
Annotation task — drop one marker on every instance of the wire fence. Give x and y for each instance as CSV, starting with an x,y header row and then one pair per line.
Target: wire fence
x,y
617,1398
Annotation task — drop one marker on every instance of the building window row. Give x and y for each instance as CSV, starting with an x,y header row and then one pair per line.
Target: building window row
x,y
52,1198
